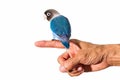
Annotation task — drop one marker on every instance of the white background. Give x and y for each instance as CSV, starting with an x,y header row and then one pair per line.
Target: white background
x,y
22,23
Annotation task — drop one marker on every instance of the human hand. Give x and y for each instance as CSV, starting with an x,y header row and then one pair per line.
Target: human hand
x,y
80,57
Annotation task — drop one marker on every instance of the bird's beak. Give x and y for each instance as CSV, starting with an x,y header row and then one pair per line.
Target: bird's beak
x,y
44,17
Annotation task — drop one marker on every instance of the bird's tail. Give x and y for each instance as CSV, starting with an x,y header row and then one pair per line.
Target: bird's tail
x,y
66,44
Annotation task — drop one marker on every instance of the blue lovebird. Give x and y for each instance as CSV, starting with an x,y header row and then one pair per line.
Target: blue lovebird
x,y
60,26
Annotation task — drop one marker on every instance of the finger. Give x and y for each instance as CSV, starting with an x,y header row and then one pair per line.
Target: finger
x,y
71,63
62,69
62,58
75,73
77,70
51,44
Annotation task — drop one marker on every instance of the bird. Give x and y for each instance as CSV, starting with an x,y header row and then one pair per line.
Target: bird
x,y
60,26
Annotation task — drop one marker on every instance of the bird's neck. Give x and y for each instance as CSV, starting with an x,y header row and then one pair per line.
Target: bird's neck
x,y
56,15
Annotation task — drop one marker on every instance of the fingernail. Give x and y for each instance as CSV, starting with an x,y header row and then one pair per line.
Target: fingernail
x,y
62,69
79,69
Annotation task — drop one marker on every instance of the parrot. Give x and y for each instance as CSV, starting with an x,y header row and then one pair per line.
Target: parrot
x,y
60,26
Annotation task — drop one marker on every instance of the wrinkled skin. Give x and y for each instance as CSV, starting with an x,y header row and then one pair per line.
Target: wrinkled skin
x,y
80,57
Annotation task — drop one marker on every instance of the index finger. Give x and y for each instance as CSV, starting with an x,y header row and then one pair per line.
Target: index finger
x,y
49,44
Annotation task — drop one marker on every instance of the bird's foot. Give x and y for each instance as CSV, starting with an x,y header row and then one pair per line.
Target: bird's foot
x,y
53,39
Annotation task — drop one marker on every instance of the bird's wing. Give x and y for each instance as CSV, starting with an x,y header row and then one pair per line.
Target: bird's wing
x,y
60,26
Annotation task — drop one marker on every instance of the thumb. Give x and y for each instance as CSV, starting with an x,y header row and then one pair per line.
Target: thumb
x,y
71,63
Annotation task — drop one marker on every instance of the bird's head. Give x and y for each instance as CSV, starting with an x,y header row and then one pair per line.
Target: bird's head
x,y
50,13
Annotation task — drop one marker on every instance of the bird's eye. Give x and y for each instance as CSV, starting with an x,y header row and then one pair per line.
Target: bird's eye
x,y
48,14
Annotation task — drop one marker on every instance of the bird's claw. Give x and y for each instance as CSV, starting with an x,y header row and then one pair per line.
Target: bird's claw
x,y
53,39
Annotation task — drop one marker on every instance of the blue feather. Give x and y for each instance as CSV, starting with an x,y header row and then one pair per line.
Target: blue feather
x,y
61,29
66,44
